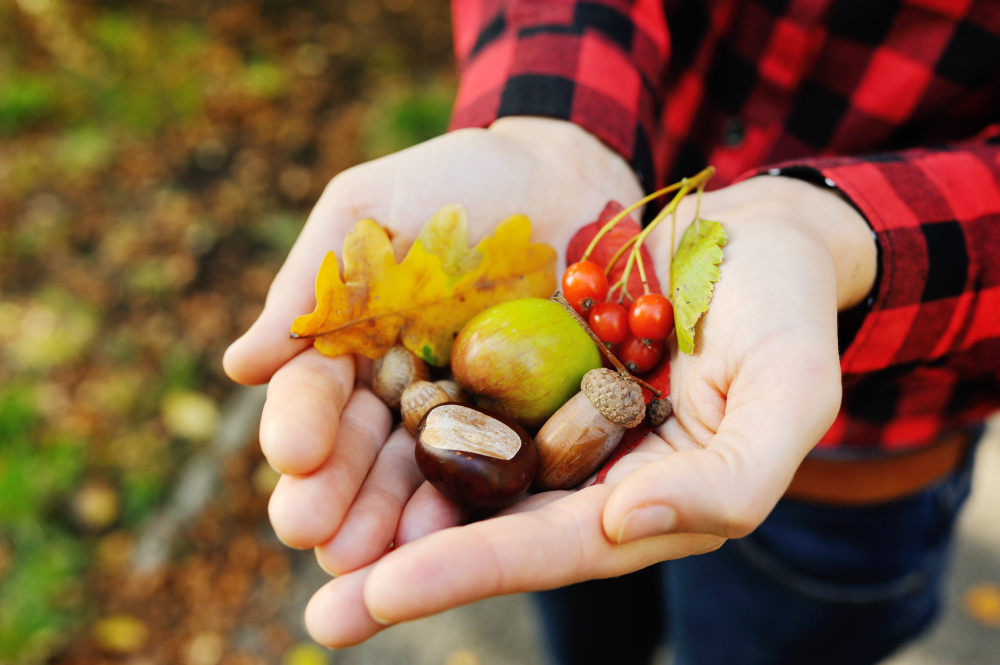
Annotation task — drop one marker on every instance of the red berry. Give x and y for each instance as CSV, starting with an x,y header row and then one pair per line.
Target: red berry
x,y
609,321
651,316
640,355
584,285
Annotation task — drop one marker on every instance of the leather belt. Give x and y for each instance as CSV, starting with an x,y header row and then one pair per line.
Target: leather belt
x,y
879,480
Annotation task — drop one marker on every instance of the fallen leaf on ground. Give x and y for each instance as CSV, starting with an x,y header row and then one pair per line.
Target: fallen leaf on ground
x,y
693,276
190,415
305,654
982,603
120,633
427,298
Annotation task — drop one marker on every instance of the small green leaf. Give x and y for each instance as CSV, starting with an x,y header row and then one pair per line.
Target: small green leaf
x,y
694,272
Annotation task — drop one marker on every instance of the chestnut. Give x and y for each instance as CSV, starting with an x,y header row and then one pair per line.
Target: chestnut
x,y
477,459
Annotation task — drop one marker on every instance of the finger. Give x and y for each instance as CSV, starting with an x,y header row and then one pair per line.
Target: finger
x,y
336,616
652,449
781,402
266,346
370,524
558,544
426,512
302,414
307,510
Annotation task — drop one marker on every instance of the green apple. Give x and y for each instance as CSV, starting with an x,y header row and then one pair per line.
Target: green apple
x,y
525,356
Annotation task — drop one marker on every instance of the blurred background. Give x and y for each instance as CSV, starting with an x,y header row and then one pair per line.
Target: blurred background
x,y
157,160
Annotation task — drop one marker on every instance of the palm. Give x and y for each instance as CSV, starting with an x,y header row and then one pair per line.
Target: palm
x,y
760,390
492,173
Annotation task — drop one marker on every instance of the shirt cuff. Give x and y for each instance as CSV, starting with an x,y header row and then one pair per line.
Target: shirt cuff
x,y
933,212
849,321
581,62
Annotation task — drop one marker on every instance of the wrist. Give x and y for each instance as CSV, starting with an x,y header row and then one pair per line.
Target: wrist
x,y
845,233
782,205
573,160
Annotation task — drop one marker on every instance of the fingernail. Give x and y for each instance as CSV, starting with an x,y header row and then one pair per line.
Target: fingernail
x,y
645,522
379,620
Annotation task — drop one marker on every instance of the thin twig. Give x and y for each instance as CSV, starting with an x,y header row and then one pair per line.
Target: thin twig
x,y
558,297
620,216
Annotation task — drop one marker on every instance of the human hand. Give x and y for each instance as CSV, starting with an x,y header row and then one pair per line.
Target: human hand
x,y
762,388
346,480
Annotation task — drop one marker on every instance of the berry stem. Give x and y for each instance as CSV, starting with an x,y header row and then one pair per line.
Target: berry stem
x,y
642,269
620,216
686,186
558,297
618,254
670,264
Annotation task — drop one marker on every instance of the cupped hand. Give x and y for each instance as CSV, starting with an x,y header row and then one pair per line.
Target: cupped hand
x,y
760,390
348,484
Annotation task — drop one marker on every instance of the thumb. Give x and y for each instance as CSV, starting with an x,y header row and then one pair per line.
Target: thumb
x,y
266,346
779,405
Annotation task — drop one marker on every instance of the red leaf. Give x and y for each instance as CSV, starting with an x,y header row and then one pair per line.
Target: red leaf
x,y
632,438
610,244
659,378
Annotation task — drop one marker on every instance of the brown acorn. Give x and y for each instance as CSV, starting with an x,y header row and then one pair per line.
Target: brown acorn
x,y
617,398
394,372
454,391
578,437
419,398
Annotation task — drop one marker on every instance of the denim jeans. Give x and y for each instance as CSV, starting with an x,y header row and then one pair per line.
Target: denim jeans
x,y
812,585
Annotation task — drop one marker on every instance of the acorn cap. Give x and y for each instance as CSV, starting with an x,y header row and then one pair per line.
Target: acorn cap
x,y
617,398
419,398
658,410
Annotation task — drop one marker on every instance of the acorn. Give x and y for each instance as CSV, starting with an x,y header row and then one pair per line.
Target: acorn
x,y
578,437
480,460
658,410
394,372
419,398
454,391
618,398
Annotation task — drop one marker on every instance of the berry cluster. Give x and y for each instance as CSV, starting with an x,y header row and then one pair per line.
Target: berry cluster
x,y
637,332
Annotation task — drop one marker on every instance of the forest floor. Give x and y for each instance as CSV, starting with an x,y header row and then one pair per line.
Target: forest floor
x,y
157,160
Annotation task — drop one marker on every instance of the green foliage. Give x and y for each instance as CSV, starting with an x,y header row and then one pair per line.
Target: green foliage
x,y
693,276
31,472
33,608
137,78
142,494
264,79
25,99
46,561
402,118
179,371
278,231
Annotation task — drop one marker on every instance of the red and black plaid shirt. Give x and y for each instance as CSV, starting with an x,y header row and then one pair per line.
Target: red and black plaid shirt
x,y
890,100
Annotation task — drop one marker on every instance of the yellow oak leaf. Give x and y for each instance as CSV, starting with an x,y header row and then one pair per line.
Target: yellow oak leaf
x,y
693,275
427,298
446,234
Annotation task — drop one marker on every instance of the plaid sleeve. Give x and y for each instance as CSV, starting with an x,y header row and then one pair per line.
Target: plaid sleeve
x,y
936,216
597,64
